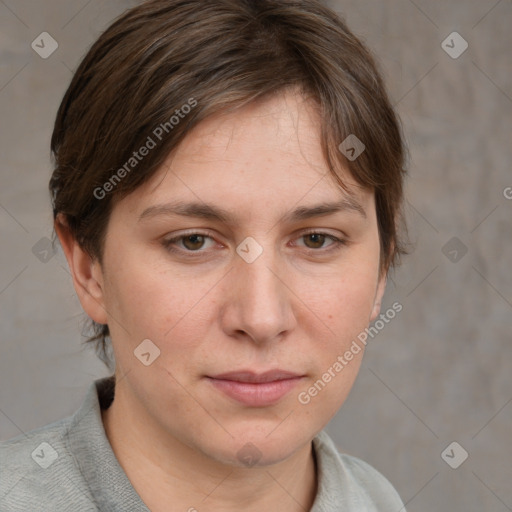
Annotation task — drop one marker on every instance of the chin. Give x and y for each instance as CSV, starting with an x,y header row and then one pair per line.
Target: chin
x,y
254,447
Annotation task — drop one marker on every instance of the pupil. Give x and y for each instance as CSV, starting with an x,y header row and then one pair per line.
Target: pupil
x,y
196,241
317,239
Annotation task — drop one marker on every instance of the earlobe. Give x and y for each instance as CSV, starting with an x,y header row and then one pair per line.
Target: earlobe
x,y
86,273
381,288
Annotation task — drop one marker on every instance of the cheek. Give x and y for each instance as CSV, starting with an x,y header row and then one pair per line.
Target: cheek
x,y
342,303
341,307
147,303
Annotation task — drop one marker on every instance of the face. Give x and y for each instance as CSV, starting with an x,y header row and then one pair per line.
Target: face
x,y
249,297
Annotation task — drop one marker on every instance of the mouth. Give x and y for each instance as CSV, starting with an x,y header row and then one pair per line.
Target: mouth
x,y
256,389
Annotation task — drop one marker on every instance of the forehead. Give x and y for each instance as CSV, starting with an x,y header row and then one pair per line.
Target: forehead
x,y
265,155
280,124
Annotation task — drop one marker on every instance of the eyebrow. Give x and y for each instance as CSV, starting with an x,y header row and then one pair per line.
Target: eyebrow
x,y
215,213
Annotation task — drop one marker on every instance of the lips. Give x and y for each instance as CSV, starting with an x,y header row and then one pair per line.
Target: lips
x,y
251,377
256,389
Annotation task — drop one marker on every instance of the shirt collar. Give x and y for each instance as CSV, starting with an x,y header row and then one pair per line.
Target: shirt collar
x,y
90,447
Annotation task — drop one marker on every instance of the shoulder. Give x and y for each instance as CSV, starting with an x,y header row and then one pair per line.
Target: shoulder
x,y
352,482
38,471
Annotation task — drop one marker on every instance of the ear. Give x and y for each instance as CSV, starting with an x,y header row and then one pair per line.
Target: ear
x,y
86,273
381,287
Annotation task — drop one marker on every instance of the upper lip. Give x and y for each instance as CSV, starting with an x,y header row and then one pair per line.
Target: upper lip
x,y
252,377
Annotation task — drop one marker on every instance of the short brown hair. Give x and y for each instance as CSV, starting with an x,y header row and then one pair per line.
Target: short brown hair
x,y
216,56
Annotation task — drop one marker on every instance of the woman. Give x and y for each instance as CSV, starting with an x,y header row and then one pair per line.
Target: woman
x,y
227,192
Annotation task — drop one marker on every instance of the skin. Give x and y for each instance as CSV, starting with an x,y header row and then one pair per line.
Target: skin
x,y
297,307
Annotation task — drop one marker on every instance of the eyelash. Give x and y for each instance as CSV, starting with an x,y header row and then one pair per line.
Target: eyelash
x,y
337,243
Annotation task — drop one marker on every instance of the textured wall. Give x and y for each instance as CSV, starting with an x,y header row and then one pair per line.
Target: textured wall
x,y
437,373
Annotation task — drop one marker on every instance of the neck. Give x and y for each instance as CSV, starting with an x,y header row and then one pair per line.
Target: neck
x,y
165,471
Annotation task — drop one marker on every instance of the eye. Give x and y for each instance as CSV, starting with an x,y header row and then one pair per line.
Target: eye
x,y
188,242
315,240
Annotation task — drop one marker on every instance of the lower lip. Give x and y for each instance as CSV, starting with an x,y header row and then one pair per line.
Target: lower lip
x,y
256,394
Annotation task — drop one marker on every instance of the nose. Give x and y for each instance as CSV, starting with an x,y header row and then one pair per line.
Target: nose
x,y
258,302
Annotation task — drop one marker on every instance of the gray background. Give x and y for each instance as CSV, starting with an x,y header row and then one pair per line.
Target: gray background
x,y
440,371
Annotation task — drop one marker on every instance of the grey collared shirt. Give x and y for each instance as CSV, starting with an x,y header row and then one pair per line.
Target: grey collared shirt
x,y
69,465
